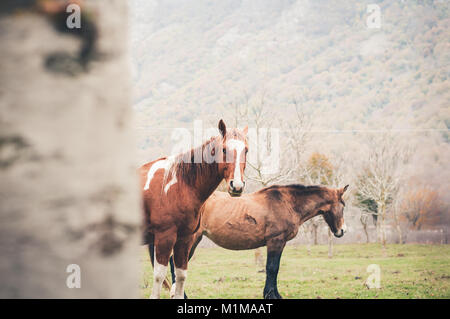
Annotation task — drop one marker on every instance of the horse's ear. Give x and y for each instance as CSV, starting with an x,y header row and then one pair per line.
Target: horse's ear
x,y
222,128
344,189
245,130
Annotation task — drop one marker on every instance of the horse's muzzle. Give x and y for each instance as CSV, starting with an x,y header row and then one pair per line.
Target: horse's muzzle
x,y
235,193
339,234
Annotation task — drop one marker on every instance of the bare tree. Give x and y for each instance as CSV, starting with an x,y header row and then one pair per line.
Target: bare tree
x,y
260,118
380,178
299,126
421,206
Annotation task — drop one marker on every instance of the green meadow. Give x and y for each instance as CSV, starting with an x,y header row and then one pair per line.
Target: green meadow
x,y
406,271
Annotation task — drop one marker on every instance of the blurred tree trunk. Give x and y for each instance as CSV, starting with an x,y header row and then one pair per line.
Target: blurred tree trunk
x,y
382,222
364,219
330,244
366,232
397,226
259,258
381,236
314,229
68,187
378,229
381,176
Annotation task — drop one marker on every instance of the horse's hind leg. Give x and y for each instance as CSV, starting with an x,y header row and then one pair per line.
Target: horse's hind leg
x,y
181,256
198,238
164,243
275,248
151,252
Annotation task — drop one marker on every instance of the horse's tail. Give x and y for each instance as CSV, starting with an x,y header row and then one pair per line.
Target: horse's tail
x,y
151,251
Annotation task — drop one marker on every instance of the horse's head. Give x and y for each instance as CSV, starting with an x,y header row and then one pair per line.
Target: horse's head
x,y
233,157
333,212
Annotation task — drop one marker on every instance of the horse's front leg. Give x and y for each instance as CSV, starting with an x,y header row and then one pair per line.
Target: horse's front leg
x,y
163,245
181,258
275,248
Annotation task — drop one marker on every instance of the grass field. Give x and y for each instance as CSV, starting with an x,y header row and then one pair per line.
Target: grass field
x,y
407,271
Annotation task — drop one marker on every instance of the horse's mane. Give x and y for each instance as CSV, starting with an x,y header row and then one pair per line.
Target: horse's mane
x,y
186,169
184,165
275,191
296,187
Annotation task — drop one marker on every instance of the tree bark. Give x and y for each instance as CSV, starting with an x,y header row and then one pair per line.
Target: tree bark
x,y
68,182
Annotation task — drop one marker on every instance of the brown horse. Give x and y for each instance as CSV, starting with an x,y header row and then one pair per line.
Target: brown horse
x,y
269,217
174,189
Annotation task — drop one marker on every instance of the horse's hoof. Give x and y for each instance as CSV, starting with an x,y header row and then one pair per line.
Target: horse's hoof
x,y
172,292
272,295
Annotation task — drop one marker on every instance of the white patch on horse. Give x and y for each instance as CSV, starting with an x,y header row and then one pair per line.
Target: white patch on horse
x,y
239,146
172,291
159,273
172,182
180,279
162,164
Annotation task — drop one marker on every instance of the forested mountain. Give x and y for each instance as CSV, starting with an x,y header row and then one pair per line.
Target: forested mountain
x,y
195,59
192,57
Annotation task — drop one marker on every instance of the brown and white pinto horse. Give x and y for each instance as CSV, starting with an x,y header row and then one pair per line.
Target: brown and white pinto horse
x,y
174,189
269,217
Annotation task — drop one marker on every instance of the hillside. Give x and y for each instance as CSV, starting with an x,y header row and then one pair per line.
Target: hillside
x,y
193,59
